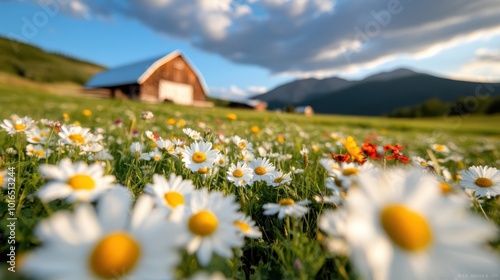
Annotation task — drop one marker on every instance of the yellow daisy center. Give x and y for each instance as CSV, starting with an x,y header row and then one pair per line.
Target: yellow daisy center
x,y
203,223
36,139
157,158
19,126
242,145
445,188
77,138
43,134
203,170
483,182
238,173
114,256
81,182
221,161
1,179
350,171
278,180
286,202
439,148
260,170
242,225
174,199
423,163
406,228
40,153
199,157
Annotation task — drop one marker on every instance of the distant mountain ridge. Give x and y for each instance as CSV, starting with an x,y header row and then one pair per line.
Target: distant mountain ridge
x,y
378,94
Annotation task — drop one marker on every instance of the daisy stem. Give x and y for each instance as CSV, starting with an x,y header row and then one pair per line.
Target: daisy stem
x,y
482,210
47,208
341,269
18,173
287,228
242,197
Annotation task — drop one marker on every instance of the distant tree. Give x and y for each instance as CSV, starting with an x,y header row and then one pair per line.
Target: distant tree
x,y
289,108
494,107
432,108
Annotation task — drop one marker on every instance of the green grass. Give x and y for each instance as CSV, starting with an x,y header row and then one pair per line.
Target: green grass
x,y
27,101
37,65
289,249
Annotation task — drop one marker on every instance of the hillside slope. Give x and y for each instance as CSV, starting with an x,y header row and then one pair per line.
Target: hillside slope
x,y
300,90
382,97
35,64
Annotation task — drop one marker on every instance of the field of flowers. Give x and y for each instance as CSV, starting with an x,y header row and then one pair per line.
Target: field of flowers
x,y
99,189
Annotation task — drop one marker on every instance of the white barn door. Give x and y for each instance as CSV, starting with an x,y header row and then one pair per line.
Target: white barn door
x,y
176,92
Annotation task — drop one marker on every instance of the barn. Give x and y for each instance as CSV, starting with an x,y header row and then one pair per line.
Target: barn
x,y
169,78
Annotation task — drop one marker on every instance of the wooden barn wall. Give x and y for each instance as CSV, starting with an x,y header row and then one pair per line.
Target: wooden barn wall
x,y
149,89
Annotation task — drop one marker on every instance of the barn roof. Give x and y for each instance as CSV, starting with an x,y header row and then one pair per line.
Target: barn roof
x,y
137,73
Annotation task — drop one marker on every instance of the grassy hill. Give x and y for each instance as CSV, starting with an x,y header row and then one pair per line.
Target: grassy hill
x,y
42,103
35,64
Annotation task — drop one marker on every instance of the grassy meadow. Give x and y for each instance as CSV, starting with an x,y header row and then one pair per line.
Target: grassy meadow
x,y
307,243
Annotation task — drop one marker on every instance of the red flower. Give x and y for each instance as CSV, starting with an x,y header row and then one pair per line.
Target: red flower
x,y
370,150
341,157
396,155
392,148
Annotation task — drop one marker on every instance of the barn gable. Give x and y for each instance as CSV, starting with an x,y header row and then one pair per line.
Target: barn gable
x,y
167,78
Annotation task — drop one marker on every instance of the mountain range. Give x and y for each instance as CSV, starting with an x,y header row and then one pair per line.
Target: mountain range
x,y
379,94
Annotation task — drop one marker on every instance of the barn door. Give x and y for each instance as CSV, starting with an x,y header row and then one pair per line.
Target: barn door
x,y
175,92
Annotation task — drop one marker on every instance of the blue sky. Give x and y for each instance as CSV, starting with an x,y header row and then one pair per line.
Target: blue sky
x,y
248,47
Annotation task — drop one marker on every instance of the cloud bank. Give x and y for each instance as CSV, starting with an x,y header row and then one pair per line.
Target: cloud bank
x,y
309,37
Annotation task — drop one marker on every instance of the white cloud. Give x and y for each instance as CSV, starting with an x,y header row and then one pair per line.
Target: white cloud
x,y
484,67
235,93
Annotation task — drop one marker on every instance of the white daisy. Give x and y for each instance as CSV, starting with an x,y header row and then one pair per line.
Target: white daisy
x,y
247,226
421,162
166,145
173,194
37,151
147,115
349,172
107,243
136,149
240,174
242,144
75,135
199,155
17,125
304,151
484,180
154,155
193,134
246,156
91,148
280,178
75,182
263,169
210,226
404,229
334,224
221,160
443,149
101,155
37,136
330,165
150,135
286,207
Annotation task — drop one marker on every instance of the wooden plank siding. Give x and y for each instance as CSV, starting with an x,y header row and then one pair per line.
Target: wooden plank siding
x,y
176,70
